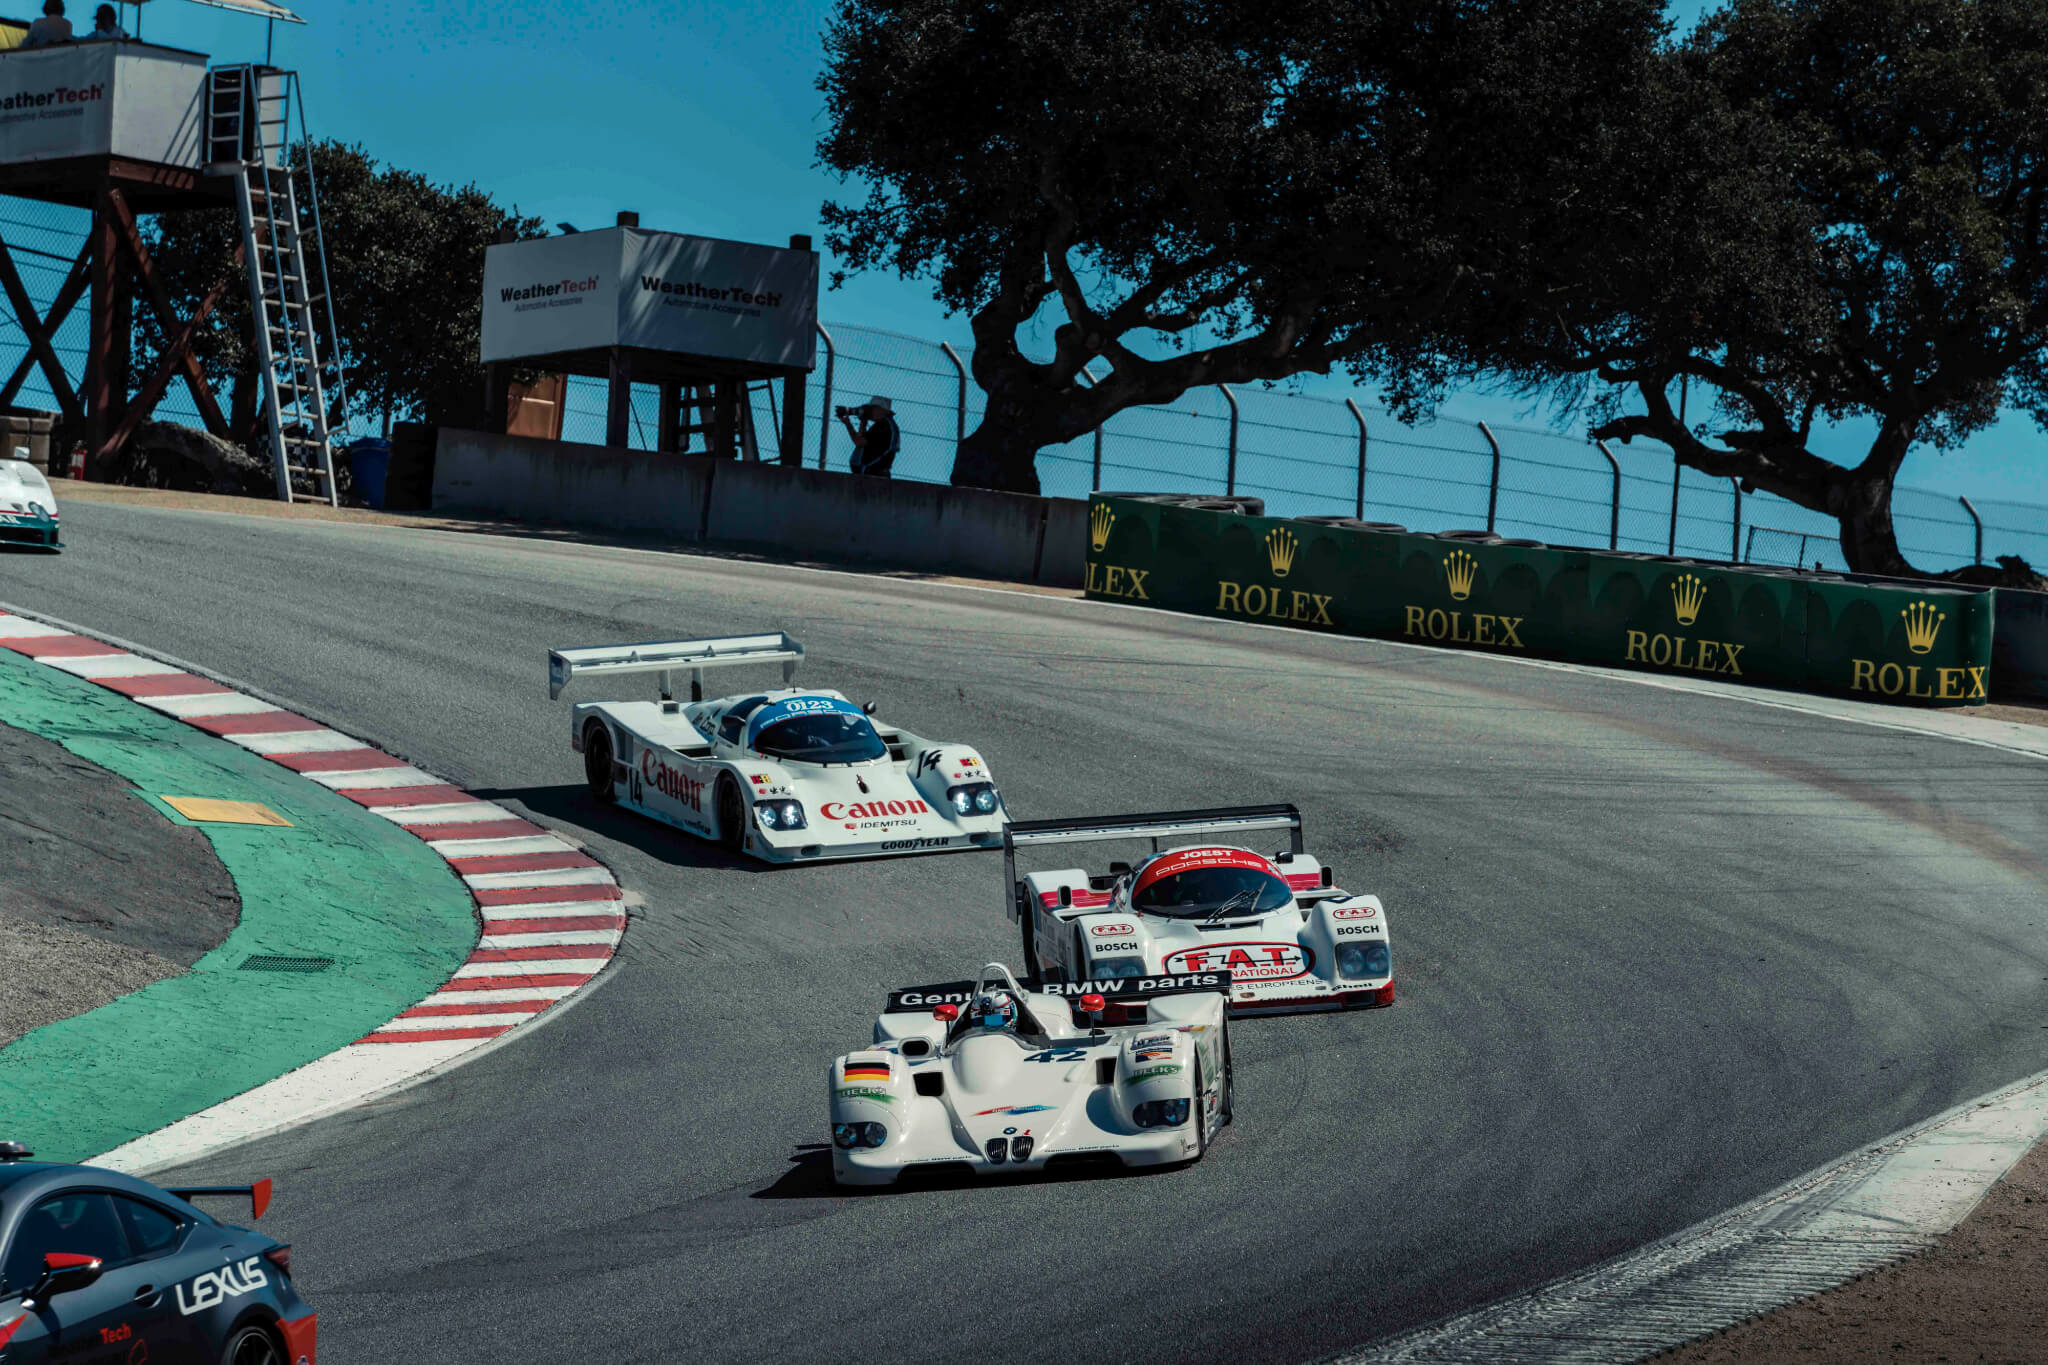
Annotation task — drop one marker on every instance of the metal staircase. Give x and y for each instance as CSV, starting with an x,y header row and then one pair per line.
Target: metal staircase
x,y
249,113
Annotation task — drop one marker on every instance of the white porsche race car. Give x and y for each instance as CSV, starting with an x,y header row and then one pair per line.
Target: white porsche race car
x,y
991,1077
28,509
1289,938
786,775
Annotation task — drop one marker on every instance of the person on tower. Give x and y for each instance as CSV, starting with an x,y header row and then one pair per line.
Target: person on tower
x,y
51,29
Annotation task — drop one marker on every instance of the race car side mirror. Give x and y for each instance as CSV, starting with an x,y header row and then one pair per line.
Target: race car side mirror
x,y
63,1272
867,708
1066,897
1119,869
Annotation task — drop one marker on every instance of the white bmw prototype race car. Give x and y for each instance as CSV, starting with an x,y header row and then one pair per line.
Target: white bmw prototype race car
x,y
992,1076
787,775
28,509
1289,938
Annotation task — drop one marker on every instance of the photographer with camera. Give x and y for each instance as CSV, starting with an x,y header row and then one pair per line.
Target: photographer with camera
x,y
878,438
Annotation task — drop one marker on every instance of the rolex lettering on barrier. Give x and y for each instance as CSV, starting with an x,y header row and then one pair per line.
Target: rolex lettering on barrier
x,y
1274,602
1923,623
1685,652
1458,625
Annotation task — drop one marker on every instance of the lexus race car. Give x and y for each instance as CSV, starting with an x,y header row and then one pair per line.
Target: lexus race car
x,y
100,1266
28,509
992,1076
787,775
1288,936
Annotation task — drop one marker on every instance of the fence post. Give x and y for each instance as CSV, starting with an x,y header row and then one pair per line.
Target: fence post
x,y
1359,501
1095,471
1977,556
960,402
1230,469
1614,503
825,409
1493,484
1677,469
1735,531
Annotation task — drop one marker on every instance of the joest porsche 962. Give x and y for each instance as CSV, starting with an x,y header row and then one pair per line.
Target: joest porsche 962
x,y
787,775
99,1266
28,509
992,1077
1287,935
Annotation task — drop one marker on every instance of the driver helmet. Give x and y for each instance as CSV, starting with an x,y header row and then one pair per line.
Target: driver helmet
x,y
993,1010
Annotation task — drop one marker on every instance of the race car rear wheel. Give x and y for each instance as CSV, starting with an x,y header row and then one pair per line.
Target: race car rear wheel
x,y
1228,1105
732,816
597,764
252,1346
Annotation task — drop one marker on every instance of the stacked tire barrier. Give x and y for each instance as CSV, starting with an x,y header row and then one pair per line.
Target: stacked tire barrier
x,y
1909,644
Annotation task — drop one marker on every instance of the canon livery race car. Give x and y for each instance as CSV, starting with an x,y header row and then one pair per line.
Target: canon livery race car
x,y
785,775
993,1077
1289,938
101,1267
28,509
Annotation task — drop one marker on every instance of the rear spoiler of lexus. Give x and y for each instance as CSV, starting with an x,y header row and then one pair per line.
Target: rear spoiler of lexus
x,y
1171,824
664,658
257,1194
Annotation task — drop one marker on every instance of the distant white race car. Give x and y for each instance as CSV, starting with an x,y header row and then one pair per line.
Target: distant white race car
x,y
994,1076
1289,938
787,775
28,509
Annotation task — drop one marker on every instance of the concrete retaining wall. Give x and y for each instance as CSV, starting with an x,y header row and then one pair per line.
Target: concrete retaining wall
x,y
809,513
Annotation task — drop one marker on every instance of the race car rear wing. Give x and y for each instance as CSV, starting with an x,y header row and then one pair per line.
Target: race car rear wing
x,y
1162,825
695,655
257,1194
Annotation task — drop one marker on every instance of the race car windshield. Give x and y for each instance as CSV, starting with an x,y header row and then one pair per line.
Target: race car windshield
x,y
829,737
1202,891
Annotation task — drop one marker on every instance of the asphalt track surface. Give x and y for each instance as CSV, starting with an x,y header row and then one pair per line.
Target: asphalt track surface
x,y
1657,953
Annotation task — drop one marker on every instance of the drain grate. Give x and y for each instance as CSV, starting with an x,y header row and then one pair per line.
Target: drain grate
x,y
287,964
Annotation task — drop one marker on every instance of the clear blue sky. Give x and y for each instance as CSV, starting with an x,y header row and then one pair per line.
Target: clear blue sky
x,y
704,118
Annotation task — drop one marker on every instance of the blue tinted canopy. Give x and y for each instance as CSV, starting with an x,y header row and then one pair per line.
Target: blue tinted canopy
x,y
797,706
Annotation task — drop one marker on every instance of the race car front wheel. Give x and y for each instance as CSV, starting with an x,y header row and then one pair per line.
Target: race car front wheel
x,y
252,1346
597,764
732,816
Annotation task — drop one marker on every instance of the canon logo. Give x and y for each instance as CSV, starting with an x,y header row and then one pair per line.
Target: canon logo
x,y
670,783
1106,929
1353,912
868,810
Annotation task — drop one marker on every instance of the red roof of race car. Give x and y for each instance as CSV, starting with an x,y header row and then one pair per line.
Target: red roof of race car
x,y
1189,859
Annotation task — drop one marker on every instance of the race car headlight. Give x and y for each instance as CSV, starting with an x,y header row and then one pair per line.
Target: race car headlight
x,y
843,1134
1160,1114
1360,960
872,1134
1116,968
1020,1148
779,814
975,798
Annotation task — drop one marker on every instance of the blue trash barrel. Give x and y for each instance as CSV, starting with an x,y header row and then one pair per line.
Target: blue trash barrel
x,y
369,460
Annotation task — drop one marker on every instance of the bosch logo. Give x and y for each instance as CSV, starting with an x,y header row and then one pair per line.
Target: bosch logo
x,y
1106,929
1128,946
1353,912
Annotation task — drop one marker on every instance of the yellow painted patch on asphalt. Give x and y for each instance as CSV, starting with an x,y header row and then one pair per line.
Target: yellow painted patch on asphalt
x,y
214,811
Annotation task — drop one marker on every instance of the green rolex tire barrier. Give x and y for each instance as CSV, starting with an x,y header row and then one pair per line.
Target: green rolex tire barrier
x,y
1923,645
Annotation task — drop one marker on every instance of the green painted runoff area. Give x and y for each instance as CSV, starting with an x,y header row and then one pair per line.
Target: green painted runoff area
x,y
341,883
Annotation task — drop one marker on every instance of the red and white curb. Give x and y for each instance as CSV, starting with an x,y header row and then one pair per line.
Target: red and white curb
x,y
551,916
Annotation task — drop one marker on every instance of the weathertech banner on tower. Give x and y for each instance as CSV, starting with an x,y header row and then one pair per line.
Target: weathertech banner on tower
x,y
101,99
659,291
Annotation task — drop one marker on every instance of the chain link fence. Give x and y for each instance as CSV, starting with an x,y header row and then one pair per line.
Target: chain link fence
x,y
1304,455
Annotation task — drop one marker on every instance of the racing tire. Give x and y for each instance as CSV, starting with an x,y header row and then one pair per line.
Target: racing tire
x,y
252,1345
1200,1116
598,764
732,816
1228,1106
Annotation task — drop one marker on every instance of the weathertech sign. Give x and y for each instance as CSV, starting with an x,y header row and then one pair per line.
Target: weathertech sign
x,y
101,99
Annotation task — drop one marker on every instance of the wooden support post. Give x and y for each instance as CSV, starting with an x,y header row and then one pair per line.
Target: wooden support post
x,y
725,411
152,390
668,424
120,229
497,397
98,397
618,410
793,384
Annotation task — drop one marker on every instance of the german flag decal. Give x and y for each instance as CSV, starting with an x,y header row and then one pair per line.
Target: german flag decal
x,y
867,1071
